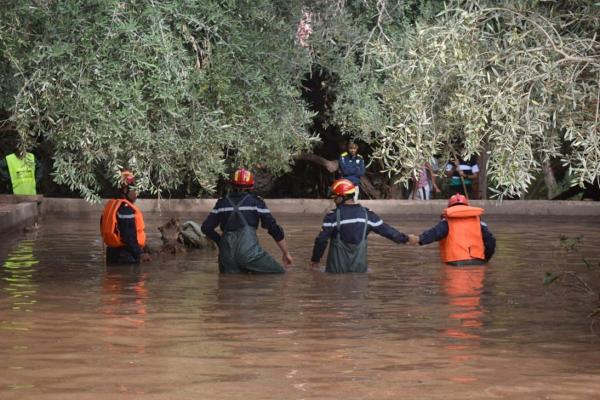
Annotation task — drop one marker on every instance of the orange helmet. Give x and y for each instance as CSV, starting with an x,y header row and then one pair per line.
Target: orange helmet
x,y
457,199
343,187
127,178
243,178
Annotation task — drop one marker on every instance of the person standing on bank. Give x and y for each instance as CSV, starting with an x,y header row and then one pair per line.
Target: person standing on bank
x,y
460,171
464,238
23,173
425,185
352,166
347,227
238,215
122,225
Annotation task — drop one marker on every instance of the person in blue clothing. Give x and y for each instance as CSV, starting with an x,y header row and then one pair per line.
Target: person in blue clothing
x,y
346,228
238,214
352,166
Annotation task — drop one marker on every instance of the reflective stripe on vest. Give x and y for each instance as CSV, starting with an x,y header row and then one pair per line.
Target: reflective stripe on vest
x,y
464,240
109,226
22,174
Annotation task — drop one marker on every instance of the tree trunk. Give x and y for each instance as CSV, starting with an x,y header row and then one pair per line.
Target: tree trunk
x,y
329,165
482,178
368,189
549,179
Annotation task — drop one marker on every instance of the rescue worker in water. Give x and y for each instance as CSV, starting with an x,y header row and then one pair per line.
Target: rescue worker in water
x,y
122,226
464,238
347,227
238,215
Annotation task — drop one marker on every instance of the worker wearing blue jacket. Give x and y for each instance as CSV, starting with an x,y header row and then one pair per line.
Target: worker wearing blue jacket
x,y
346,228
239,214
352,166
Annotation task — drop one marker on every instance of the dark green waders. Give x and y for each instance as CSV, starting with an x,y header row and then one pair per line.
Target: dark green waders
x,y
347,257
239,250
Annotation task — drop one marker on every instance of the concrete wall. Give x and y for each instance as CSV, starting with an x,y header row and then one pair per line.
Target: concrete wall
x,y
18,211
321,206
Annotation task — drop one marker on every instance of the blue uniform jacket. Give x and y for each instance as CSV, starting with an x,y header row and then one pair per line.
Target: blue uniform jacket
x,y
352,168
352,223
440,231
253,209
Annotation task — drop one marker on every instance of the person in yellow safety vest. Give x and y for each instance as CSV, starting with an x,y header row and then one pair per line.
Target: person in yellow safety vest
x,y
23,173
464,238
122,226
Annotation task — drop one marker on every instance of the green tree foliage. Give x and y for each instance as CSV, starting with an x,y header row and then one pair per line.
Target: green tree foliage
x,y
182,90
518,80
175,90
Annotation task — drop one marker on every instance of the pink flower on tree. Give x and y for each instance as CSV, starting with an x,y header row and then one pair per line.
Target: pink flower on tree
x,y
304,29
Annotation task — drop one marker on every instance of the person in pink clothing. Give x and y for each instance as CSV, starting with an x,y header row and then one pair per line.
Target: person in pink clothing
x,y
424,185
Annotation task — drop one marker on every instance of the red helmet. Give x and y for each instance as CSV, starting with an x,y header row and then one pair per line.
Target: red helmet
x,y
127,178
343,187
458,199
243,178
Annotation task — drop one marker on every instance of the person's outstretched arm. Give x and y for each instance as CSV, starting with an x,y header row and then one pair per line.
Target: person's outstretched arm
x,y
377,225
285,254
434,234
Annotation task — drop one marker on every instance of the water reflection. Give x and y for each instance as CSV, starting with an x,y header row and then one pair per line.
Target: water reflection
x,y
464,286
19,269
124,299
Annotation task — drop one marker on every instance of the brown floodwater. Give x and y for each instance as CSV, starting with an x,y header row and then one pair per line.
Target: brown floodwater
x,y
173,328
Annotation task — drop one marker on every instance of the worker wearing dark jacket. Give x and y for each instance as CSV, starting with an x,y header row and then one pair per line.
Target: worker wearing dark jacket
x,y
348,226
352,166
464,238
238,214
122,226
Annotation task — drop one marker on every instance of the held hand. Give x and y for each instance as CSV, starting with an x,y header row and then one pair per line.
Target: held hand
x,y
287,260
145,257
413,240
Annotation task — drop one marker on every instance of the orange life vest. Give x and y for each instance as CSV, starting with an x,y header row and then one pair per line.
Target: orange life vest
x,y
464,241
109,228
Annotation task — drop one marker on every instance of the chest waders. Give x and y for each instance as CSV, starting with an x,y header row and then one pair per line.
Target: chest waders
x,y
239,250
347,257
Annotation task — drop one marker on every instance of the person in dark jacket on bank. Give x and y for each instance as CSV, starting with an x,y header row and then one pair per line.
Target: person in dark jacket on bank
x,y
346,228
352,166
464,238
238,214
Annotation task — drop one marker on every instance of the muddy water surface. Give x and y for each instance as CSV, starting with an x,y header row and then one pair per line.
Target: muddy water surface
x,y
71,328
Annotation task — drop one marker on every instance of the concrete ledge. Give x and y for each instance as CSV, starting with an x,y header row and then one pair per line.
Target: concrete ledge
x,y
15,215
321,206
12,199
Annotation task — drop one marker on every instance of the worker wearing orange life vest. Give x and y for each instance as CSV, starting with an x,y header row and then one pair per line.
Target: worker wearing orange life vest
x,y
122,226
464,238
